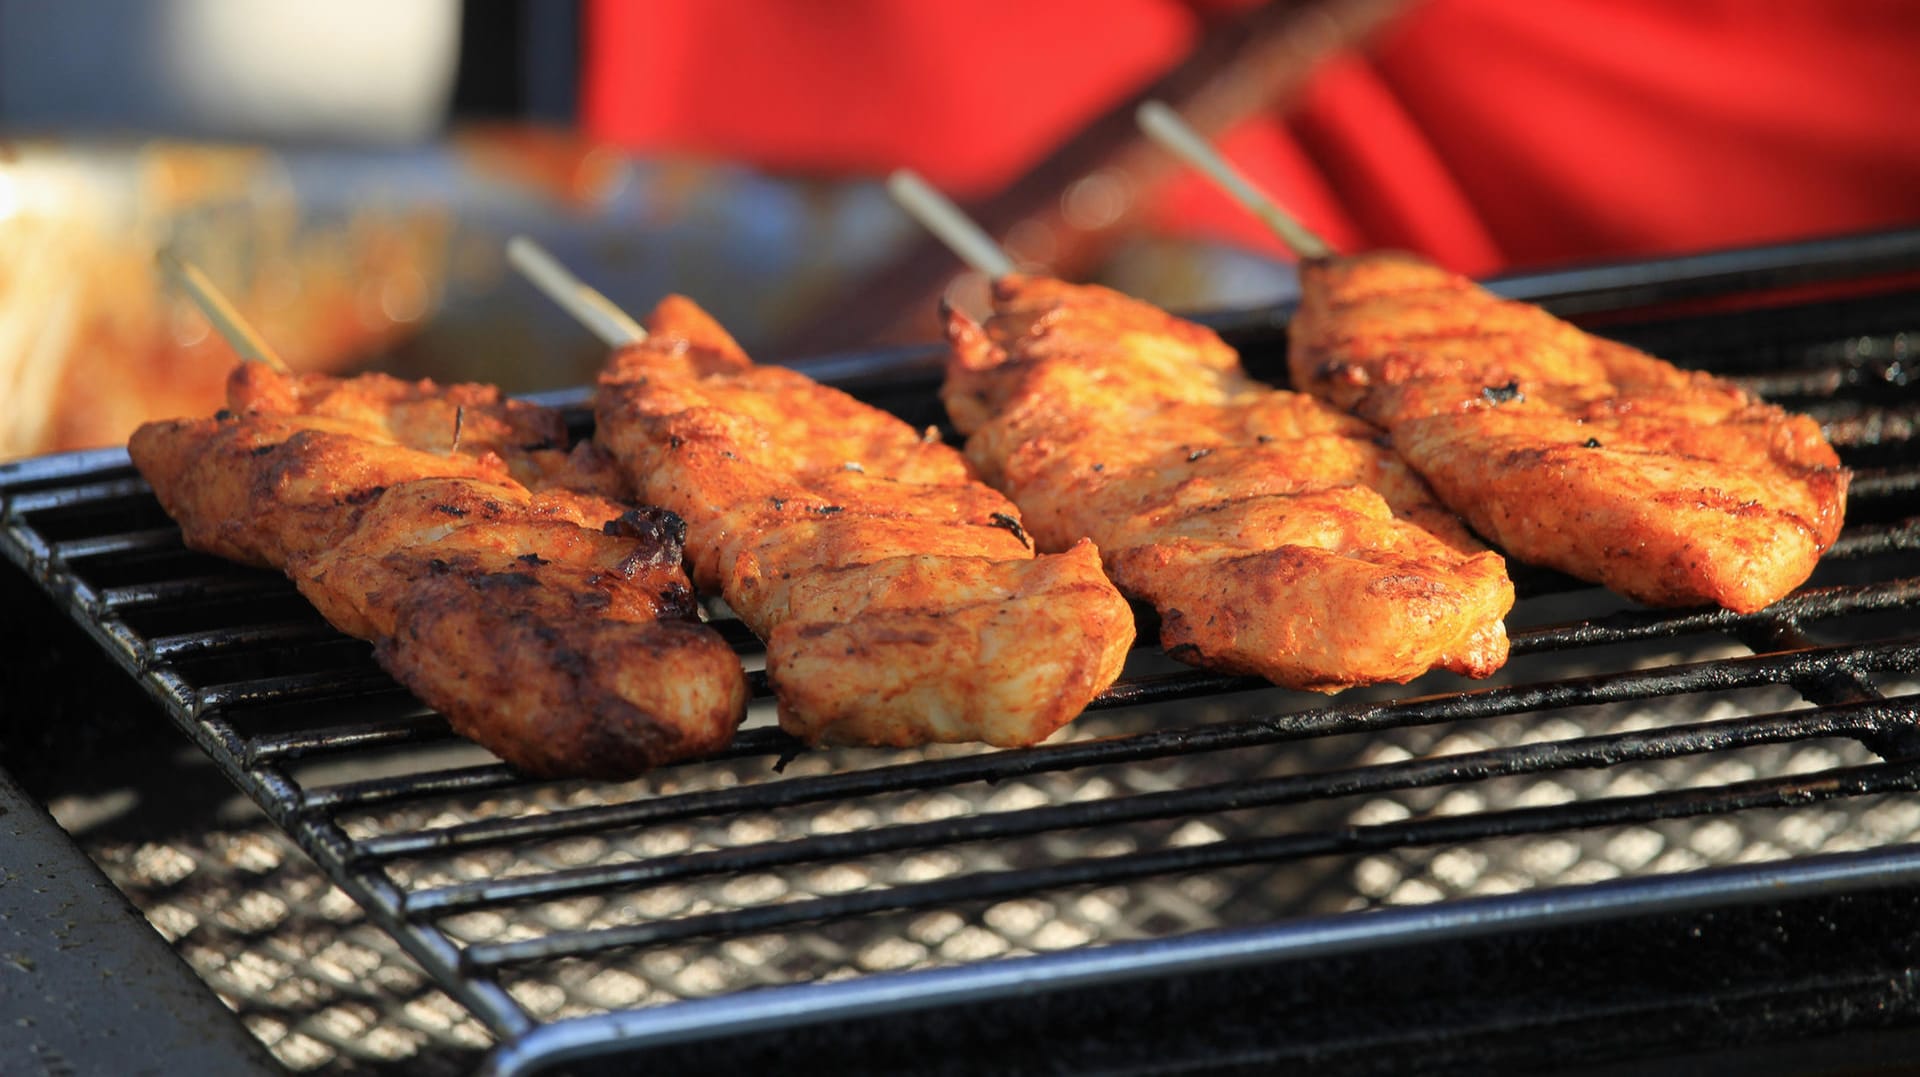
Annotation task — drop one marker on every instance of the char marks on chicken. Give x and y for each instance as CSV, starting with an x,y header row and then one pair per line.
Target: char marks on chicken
x,y
900,599
534,620
1671,487
1274,534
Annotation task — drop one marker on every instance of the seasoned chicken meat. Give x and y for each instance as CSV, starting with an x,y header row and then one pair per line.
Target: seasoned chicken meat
x,y
1671,487
900,600
557,629
1274,534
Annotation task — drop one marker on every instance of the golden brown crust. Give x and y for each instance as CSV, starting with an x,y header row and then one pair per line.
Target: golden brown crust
x,y
554,628
900,599
1274,534
1668,486
462,419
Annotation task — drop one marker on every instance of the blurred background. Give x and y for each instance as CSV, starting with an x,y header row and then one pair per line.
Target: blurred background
x,y
348,171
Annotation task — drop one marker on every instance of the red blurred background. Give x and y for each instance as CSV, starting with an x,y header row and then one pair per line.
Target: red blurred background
x,y
1484,133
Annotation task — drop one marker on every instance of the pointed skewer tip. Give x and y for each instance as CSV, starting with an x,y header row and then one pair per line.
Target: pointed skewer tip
x,y
1172,133
938,214
615,327
234,329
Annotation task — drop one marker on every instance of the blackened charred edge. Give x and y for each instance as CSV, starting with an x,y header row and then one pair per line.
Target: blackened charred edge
x,y
674,441
648,522
261,450
1197,454
1593,443
1501,394
533,559
450,510
1001,519
828,510
505,581
661,533
1099,467
677,602
439,567
224,415
361,497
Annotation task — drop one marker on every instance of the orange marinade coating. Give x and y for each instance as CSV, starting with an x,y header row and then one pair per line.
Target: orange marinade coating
x,y
1274,534
900,599
1671,487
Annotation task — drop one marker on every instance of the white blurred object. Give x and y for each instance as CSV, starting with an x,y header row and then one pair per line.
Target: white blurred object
x,y
334,70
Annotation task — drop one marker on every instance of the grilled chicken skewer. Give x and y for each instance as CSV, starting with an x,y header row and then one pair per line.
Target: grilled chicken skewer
x,y
1273,534
1673,488
900,599
555,628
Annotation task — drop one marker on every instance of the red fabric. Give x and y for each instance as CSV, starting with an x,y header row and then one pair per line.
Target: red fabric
x,y
968,93
1485,133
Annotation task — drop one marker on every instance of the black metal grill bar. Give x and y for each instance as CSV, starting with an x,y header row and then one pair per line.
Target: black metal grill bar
x,y
150,540
1192,802
1781,792
427,726
1716,675
348,682
191,590
34,502
1836,687
22,476
1870,540
220,641
1631,625
410,729
1875,428
1887,483
1851,372
1827,687
483,778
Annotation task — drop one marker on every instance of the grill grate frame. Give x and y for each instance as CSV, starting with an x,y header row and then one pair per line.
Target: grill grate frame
x,y
226,652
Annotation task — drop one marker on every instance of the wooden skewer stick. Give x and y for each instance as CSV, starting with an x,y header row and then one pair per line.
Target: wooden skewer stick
x,y
1164,126
226,321
595,311
946,221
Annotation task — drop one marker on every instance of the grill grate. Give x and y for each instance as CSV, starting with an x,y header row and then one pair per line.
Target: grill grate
x,y
1620,750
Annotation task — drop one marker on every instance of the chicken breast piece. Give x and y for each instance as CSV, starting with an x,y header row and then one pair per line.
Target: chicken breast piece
x,y
1671,487
555,629
900,600
1275,535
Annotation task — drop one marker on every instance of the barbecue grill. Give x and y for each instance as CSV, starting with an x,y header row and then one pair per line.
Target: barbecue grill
x,y
1655,832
